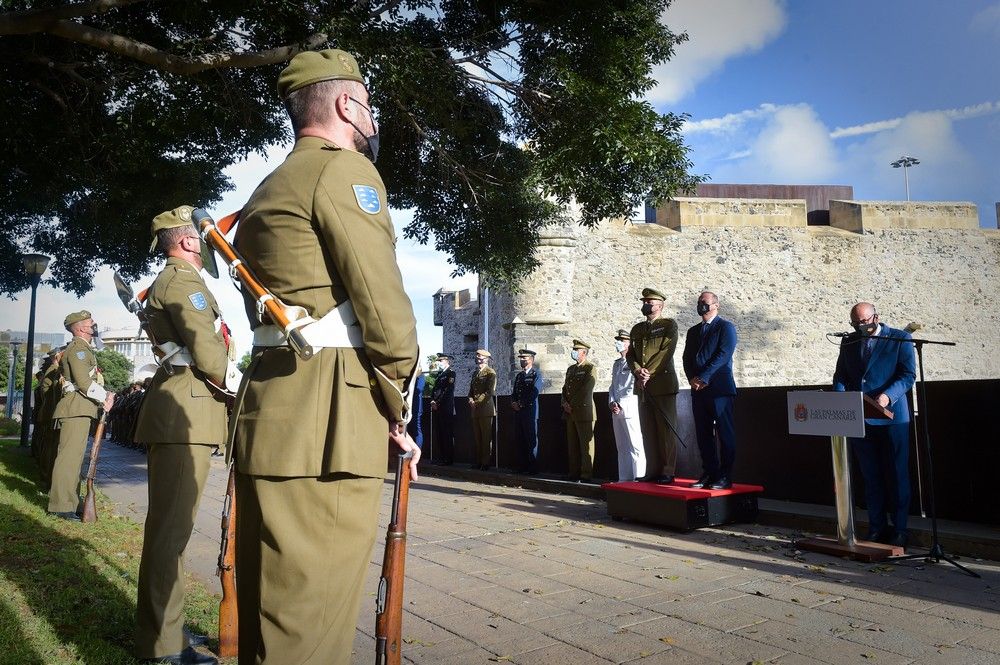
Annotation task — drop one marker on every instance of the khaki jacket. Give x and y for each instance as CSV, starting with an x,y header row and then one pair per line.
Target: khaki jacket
x,y
481,391
578,390
183,408
652,347
79,367
317,232
50,390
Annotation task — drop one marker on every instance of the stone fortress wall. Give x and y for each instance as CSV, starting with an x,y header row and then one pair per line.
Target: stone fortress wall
x,y
782,281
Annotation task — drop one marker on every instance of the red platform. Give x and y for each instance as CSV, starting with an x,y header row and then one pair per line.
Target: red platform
x,y
679,506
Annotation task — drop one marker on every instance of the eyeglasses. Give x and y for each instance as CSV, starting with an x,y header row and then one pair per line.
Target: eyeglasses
x,y
870,319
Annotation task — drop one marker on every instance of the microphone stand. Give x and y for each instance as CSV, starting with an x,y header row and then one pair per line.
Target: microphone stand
x,y
936,553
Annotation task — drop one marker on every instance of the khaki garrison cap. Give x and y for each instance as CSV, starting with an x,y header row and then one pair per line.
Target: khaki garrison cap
x,y
75,317
577,344
484,353
168,220
652,293
315,66
622,334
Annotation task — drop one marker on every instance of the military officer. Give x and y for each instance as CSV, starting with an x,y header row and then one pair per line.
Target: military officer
x,y
578,405
310,436
482,389
524,402
182,418
83,395
443,411
651,358
50,390
624,407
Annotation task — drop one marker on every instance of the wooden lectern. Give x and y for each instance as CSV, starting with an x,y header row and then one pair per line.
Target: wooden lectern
x,y
846,543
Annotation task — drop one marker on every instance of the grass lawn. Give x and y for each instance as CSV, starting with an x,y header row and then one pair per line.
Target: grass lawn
x,y
67,589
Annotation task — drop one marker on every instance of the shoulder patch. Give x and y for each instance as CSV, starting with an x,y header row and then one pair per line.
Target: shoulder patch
x,y
82,355
367,198
198,300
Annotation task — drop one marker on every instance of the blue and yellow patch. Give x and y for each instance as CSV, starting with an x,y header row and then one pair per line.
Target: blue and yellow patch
x,y
81,355
198,300
367,198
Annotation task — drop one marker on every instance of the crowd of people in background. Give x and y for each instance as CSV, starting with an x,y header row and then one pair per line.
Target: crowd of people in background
x,y
642,400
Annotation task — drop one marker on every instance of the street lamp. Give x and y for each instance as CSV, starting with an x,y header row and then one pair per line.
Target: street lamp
x,y
905,162
34,265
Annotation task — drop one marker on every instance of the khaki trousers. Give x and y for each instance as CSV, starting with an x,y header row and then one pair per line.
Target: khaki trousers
x,y
580,446
482,430
303,547
64,493
177,474
657,438
47,453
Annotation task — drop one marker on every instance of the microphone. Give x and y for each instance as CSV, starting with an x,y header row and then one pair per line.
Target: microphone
x,y
840,334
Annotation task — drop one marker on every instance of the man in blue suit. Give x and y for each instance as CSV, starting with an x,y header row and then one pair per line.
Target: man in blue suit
x,y
885,371
524,402
708,365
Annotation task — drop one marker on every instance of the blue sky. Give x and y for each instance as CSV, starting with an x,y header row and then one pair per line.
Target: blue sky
x,y
831,92
791,92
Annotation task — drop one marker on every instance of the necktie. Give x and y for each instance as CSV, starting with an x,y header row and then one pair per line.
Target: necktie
x,y
869,344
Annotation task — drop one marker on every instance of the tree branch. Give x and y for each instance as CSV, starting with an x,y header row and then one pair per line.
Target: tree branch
x,y
136,50
37,20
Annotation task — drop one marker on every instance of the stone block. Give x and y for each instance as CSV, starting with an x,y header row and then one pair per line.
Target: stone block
x,y
683,212
859,216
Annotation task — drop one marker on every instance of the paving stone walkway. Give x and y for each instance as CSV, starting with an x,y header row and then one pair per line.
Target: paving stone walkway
x,y
497,574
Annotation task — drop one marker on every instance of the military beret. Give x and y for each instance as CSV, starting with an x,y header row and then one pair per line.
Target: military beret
x,y
484,353
53,352
314,66
526,352
652,293
577,344
75,317
622,334
168,220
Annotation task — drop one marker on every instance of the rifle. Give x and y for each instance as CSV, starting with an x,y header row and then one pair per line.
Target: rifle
x,y
89,505
228,618
389,600
134,305
212,234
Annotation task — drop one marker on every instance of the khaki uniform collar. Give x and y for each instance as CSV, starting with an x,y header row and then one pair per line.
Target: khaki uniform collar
x,y
314,143
183,263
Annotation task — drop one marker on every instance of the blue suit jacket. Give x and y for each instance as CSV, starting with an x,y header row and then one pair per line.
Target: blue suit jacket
x,y
710,358
891,369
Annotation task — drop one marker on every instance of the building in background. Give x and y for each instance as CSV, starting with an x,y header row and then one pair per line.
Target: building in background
x,y
135,346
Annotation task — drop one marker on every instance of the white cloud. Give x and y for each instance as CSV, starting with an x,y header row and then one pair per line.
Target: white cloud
x,y
988,21
718,30
728,123
963,113
946,170
792,146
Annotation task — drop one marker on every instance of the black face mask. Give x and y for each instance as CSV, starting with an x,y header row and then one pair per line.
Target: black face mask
x,y
647,308
865,329
372,141
93,330
524,363
703,308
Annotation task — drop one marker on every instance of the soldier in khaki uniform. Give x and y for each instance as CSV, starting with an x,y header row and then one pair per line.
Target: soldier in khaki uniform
x,y
482,389
183,417
651,358
578,405
83,395
50,390
310,438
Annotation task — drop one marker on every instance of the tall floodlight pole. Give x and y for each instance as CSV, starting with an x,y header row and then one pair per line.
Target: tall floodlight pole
x,y
905,162
34,265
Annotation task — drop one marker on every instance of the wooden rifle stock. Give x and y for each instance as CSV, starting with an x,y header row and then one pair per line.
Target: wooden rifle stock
x,y
89,504
266,302
389,600
228,618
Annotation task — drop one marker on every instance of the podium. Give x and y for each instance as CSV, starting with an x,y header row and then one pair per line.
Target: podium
x,y
838,415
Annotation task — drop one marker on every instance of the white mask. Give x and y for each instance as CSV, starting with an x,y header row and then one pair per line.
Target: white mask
x,y
619,345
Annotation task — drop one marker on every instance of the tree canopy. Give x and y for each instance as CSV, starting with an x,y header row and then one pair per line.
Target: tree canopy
x,y
117,369
495,114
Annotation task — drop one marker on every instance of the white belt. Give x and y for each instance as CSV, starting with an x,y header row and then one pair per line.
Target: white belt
x,y
68,388
337,329
175,354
